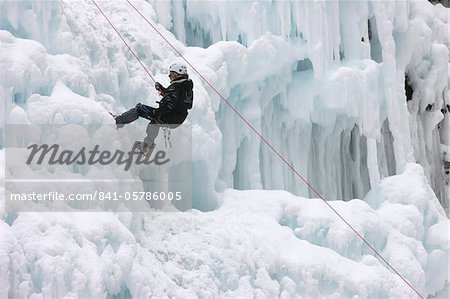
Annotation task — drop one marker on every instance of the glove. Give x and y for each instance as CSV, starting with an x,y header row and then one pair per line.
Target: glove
x,y
160,88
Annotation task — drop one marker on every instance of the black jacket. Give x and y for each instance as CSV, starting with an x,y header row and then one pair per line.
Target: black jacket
x,y
177,100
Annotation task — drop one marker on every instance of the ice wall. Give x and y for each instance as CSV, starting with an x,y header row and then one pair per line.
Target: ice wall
x,y
329,90
339,109
325,89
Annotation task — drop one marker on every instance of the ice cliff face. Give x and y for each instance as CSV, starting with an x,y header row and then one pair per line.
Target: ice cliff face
x,y
349,92
365,92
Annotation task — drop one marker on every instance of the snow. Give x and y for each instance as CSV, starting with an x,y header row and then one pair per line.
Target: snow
x,y
323,88
257,243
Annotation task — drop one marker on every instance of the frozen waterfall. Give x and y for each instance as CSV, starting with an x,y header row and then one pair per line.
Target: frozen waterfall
x,y
353,94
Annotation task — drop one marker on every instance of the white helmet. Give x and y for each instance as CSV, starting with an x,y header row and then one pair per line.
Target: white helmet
x,y
178,68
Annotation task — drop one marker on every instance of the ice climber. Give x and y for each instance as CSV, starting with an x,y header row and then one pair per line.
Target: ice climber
x,y
172,111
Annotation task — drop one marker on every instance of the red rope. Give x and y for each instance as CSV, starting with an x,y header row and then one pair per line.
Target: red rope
x,y
263,139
